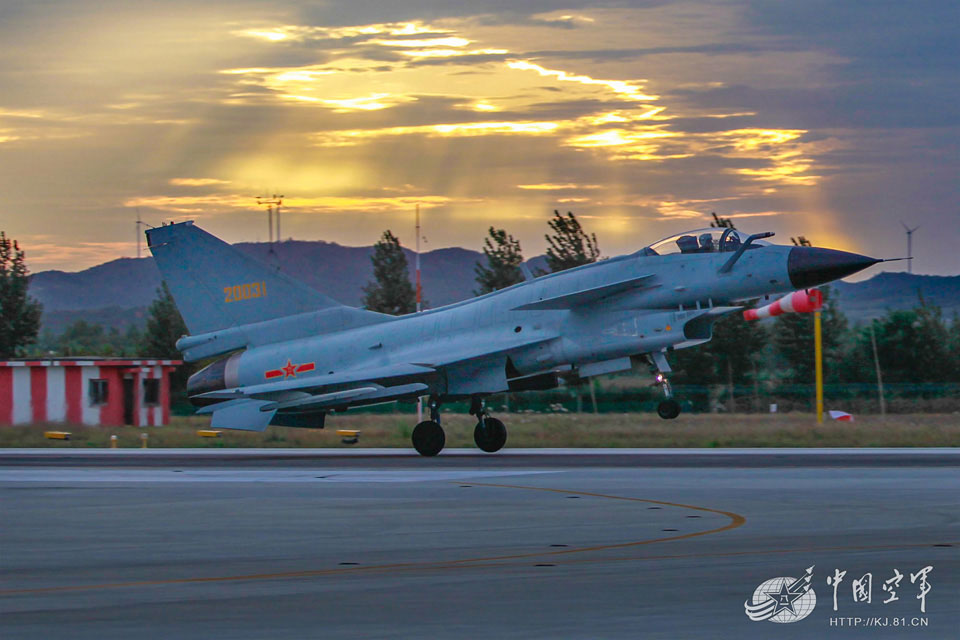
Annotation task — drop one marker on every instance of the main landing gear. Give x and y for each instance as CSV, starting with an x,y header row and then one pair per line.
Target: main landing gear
x,y
428,436
668,409
490,434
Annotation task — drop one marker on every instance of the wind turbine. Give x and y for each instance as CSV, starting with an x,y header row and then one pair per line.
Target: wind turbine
x,y
909,245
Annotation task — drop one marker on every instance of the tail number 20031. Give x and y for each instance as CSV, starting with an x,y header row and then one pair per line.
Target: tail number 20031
x,y
240,292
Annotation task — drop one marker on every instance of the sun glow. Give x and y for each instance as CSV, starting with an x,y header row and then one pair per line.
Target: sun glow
x,y
468,129
549,186
220,204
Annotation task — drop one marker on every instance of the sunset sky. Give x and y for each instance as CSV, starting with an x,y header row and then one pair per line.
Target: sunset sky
x,y
834,120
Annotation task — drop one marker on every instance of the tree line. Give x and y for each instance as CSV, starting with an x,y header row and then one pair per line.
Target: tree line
x,y
913,345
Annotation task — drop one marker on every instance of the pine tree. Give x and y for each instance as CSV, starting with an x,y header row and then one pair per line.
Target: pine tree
x,y
569,246
912,344
164,327
19,313
503,262
391,291
793,338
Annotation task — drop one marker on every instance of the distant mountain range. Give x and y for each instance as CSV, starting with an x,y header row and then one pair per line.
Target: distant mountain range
x,y
117,293
897,290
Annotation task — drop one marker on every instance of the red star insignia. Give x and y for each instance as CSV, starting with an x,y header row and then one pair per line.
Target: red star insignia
x,y
290,370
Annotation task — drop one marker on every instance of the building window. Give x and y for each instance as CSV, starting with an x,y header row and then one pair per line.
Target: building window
x,y
151,391
98,391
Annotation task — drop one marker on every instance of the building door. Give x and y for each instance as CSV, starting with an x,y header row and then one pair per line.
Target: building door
x,y
128,389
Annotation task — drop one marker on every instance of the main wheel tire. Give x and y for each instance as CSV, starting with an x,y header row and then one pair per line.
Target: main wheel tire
x,y
490,435
668,409
428,438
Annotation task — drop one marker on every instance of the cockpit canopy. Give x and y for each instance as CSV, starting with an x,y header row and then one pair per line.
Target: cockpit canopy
x,y
708,240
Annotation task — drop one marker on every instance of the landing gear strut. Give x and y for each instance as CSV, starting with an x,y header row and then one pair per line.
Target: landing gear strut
x,y
668,409
490,434
428,436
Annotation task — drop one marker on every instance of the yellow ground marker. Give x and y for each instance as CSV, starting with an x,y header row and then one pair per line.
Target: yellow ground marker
x,y
348,436
209,433
56,435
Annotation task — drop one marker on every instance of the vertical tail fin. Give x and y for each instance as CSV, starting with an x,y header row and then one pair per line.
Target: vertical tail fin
x,y
217,286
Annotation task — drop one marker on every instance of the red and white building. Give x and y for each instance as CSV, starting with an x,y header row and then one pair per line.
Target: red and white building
x,y
88,391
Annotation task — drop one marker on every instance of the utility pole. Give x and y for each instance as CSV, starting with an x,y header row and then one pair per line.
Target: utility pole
x,y
278,200
419,302
909,245
876,364
419,289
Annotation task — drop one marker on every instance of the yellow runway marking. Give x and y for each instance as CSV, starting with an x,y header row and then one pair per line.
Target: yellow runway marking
x,y
736,520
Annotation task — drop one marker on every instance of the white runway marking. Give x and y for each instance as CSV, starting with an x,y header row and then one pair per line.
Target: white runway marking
x,y
126,476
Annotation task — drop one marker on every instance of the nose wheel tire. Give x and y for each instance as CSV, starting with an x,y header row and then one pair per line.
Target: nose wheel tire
x,y
428,438
668,409
490,435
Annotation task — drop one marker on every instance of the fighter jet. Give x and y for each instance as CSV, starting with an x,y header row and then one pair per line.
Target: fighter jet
x,y
290,355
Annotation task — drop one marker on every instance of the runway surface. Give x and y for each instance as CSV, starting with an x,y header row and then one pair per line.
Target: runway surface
x,y
523,544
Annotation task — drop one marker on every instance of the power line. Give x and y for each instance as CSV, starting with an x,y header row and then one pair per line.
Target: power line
x,y
271,202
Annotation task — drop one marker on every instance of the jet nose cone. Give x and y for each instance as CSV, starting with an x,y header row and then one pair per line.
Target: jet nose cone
x,y
809,266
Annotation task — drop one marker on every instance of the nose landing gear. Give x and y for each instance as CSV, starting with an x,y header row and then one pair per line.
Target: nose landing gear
x,y
668,409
